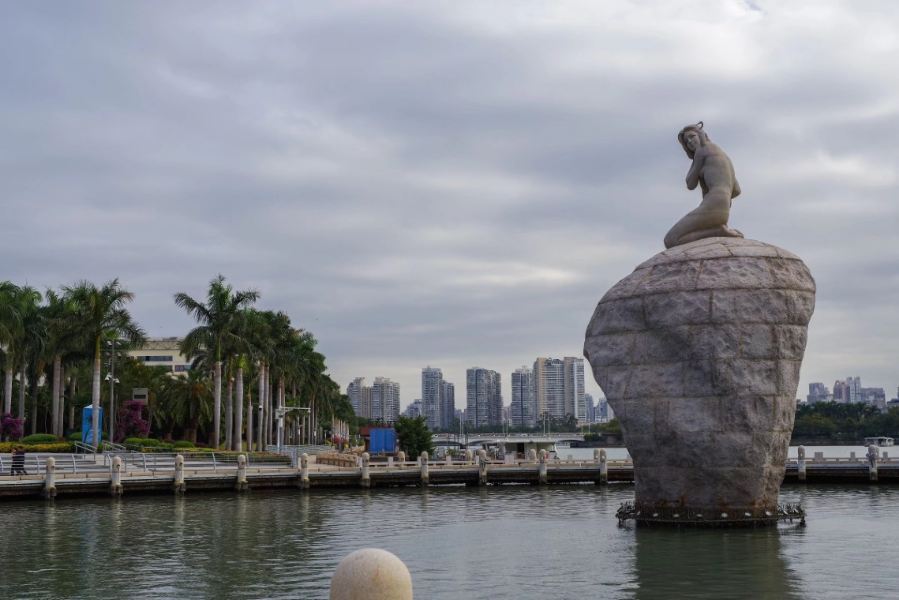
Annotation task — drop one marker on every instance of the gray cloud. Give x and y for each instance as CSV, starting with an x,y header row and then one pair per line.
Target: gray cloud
x,y
446,183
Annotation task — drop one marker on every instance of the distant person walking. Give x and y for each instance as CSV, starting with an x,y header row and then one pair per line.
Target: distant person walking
x,y
18,462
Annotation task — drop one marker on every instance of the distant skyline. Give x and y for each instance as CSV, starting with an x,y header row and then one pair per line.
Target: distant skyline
x,y
448,183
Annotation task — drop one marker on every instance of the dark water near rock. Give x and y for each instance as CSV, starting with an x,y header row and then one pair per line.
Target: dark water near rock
x,y
497,542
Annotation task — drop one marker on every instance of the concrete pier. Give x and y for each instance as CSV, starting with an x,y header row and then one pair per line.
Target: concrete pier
x,y
63,477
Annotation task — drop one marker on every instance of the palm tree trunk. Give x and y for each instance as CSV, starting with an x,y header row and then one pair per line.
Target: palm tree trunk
x,y
217,405
229,415
57,396
238,413
73,387
22,394
7,388
281,387
261,426
250,420
34,404
270,410
95,397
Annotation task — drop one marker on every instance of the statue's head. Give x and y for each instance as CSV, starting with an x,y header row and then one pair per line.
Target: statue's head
x,y
692,137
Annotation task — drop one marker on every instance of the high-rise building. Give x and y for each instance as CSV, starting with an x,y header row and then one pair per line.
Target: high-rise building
x,y
840,391
413,410
855,389
385,400
559,387
591,409
523,409
447,405
484,400
549,387
818,392
431,380
354,391
573,388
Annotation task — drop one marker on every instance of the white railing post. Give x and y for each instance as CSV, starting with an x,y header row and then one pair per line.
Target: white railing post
x,y
179,485
115,484
241,484
801,463
401,457
482,467
603,466
469,456
541,472
50,478
423,465
304,471
873,455
365,481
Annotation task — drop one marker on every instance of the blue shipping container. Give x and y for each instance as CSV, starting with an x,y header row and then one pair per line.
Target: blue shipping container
x,y
382,441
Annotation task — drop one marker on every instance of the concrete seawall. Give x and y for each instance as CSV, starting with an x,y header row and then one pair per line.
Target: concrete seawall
x,y
54,483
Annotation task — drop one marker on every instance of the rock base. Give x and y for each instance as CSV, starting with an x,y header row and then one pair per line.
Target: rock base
x,y
698,352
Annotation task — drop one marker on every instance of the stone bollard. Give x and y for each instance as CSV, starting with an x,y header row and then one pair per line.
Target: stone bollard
x,y
423,464
371,574
873,455
366,476
179,485
801,463
541,473
468,456
482,467
115,485
532,455
304,471
241,485
603,466
401,456
449,459
50,479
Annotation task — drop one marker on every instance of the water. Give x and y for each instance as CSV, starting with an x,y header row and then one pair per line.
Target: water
x,y
512,542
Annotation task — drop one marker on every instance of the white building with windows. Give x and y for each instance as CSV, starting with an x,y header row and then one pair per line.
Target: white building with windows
x,y
162,352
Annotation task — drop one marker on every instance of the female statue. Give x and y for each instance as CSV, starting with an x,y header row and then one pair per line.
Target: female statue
x,y
714,173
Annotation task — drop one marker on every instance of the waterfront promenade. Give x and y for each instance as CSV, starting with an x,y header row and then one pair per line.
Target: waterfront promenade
x,y
50,476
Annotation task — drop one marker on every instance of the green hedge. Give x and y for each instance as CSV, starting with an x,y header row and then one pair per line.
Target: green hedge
x,y
75,436
39,438
64,447
184,444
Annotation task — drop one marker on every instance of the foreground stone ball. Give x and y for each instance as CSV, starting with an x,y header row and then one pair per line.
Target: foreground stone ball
x,y
698,352
371,574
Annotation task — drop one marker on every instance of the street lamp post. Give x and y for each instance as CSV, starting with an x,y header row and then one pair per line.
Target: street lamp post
x,y
112,382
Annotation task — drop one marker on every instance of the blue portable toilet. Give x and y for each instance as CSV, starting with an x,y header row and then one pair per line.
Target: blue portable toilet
x,y
86,429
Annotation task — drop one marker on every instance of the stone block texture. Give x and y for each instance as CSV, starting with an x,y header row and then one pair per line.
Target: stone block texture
x,y
698,352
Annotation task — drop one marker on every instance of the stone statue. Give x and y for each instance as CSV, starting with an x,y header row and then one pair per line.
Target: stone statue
x,y
714,173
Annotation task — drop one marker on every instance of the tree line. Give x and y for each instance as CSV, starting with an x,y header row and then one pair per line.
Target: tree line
x,y
843,423
247,366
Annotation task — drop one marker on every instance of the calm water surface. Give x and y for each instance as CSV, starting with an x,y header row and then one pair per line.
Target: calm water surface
x,y
496,542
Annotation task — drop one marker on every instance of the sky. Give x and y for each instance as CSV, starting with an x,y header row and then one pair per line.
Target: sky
x,y
453,183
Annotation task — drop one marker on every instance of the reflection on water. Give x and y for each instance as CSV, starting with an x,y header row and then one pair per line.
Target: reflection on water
x,y
507,542
732,563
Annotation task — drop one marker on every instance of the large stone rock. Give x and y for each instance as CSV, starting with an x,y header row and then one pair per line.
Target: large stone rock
x,y
698,352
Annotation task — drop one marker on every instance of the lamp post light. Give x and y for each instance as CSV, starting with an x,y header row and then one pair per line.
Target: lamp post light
x,y
111,378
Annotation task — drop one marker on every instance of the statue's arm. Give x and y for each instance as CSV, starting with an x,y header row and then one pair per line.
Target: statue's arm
x,y
695,170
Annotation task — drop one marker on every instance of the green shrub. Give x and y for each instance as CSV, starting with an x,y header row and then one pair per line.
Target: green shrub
x,y
54,447
41,438
183,444
143,442
75,436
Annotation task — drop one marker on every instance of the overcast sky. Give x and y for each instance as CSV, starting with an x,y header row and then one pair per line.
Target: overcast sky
x,y
447,183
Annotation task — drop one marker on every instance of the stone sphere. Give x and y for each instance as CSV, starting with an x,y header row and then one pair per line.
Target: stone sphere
x,y
698,352
371,574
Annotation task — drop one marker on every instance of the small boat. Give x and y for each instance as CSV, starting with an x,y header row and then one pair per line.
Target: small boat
x,y
879,440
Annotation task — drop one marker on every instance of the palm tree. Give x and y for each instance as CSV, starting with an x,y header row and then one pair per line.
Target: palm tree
x,y
62,334
10,328
189,399
101,315
218,330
